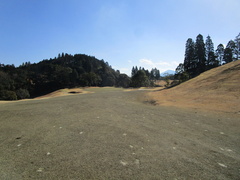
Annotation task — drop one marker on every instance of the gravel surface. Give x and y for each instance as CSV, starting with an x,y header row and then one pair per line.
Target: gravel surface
x,y
112,134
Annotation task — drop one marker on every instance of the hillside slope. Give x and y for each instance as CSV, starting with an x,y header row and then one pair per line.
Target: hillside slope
x,y
217,89
66,71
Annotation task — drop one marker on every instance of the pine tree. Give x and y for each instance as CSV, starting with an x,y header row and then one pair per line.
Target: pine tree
x,y
213,62
189,64
237,42
134,70
220,53
228,55
231,45
158,75
200,54
147,73
155,74
152,74
210,60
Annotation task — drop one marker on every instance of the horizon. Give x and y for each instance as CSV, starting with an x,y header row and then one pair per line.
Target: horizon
x,y
124,34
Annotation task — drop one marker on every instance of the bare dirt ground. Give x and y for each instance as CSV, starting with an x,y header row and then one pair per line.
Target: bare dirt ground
x,y
115,134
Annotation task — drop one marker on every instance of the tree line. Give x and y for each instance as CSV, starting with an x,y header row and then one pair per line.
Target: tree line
x,y
143,78
65,71
79,70
200,56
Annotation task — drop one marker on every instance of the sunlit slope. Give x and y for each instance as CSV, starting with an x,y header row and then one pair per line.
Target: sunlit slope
x,y
216,89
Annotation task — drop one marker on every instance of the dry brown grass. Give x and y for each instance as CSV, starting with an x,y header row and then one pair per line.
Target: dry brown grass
x,y
217,89
63,92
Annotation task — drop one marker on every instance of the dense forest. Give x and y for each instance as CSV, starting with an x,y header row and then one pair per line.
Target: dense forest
x,y
200,56
65,71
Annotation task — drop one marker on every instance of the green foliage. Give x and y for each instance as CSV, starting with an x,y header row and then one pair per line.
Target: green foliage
x,y
155,74
181,75
6,83
7,95
209,46
200,56
140,79
22,94
211,61
123,81
180,69
228,56
7,87
64,71
220,53
144,78
134,70
189,63
90,79
237,43
195,56
233,47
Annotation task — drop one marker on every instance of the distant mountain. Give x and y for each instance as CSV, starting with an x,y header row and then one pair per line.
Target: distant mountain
x,y
169,72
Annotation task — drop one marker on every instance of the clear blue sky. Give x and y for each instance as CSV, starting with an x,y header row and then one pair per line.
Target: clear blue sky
x,y
124,33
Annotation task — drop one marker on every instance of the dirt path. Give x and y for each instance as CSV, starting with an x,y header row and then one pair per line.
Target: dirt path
x,y
111,134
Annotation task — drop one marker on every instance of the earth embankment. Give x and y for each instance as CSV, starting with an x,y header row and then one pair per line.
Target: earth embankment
x,y
215,90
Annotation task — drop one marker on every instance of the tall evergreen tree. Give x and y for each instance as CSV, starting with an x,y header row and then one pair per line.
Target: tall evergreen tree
x,y
231,45
152,74
237,42
189,63
200,54
147,73
133,71
155,74
158,75
220,53
228,55
210,60
213,62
